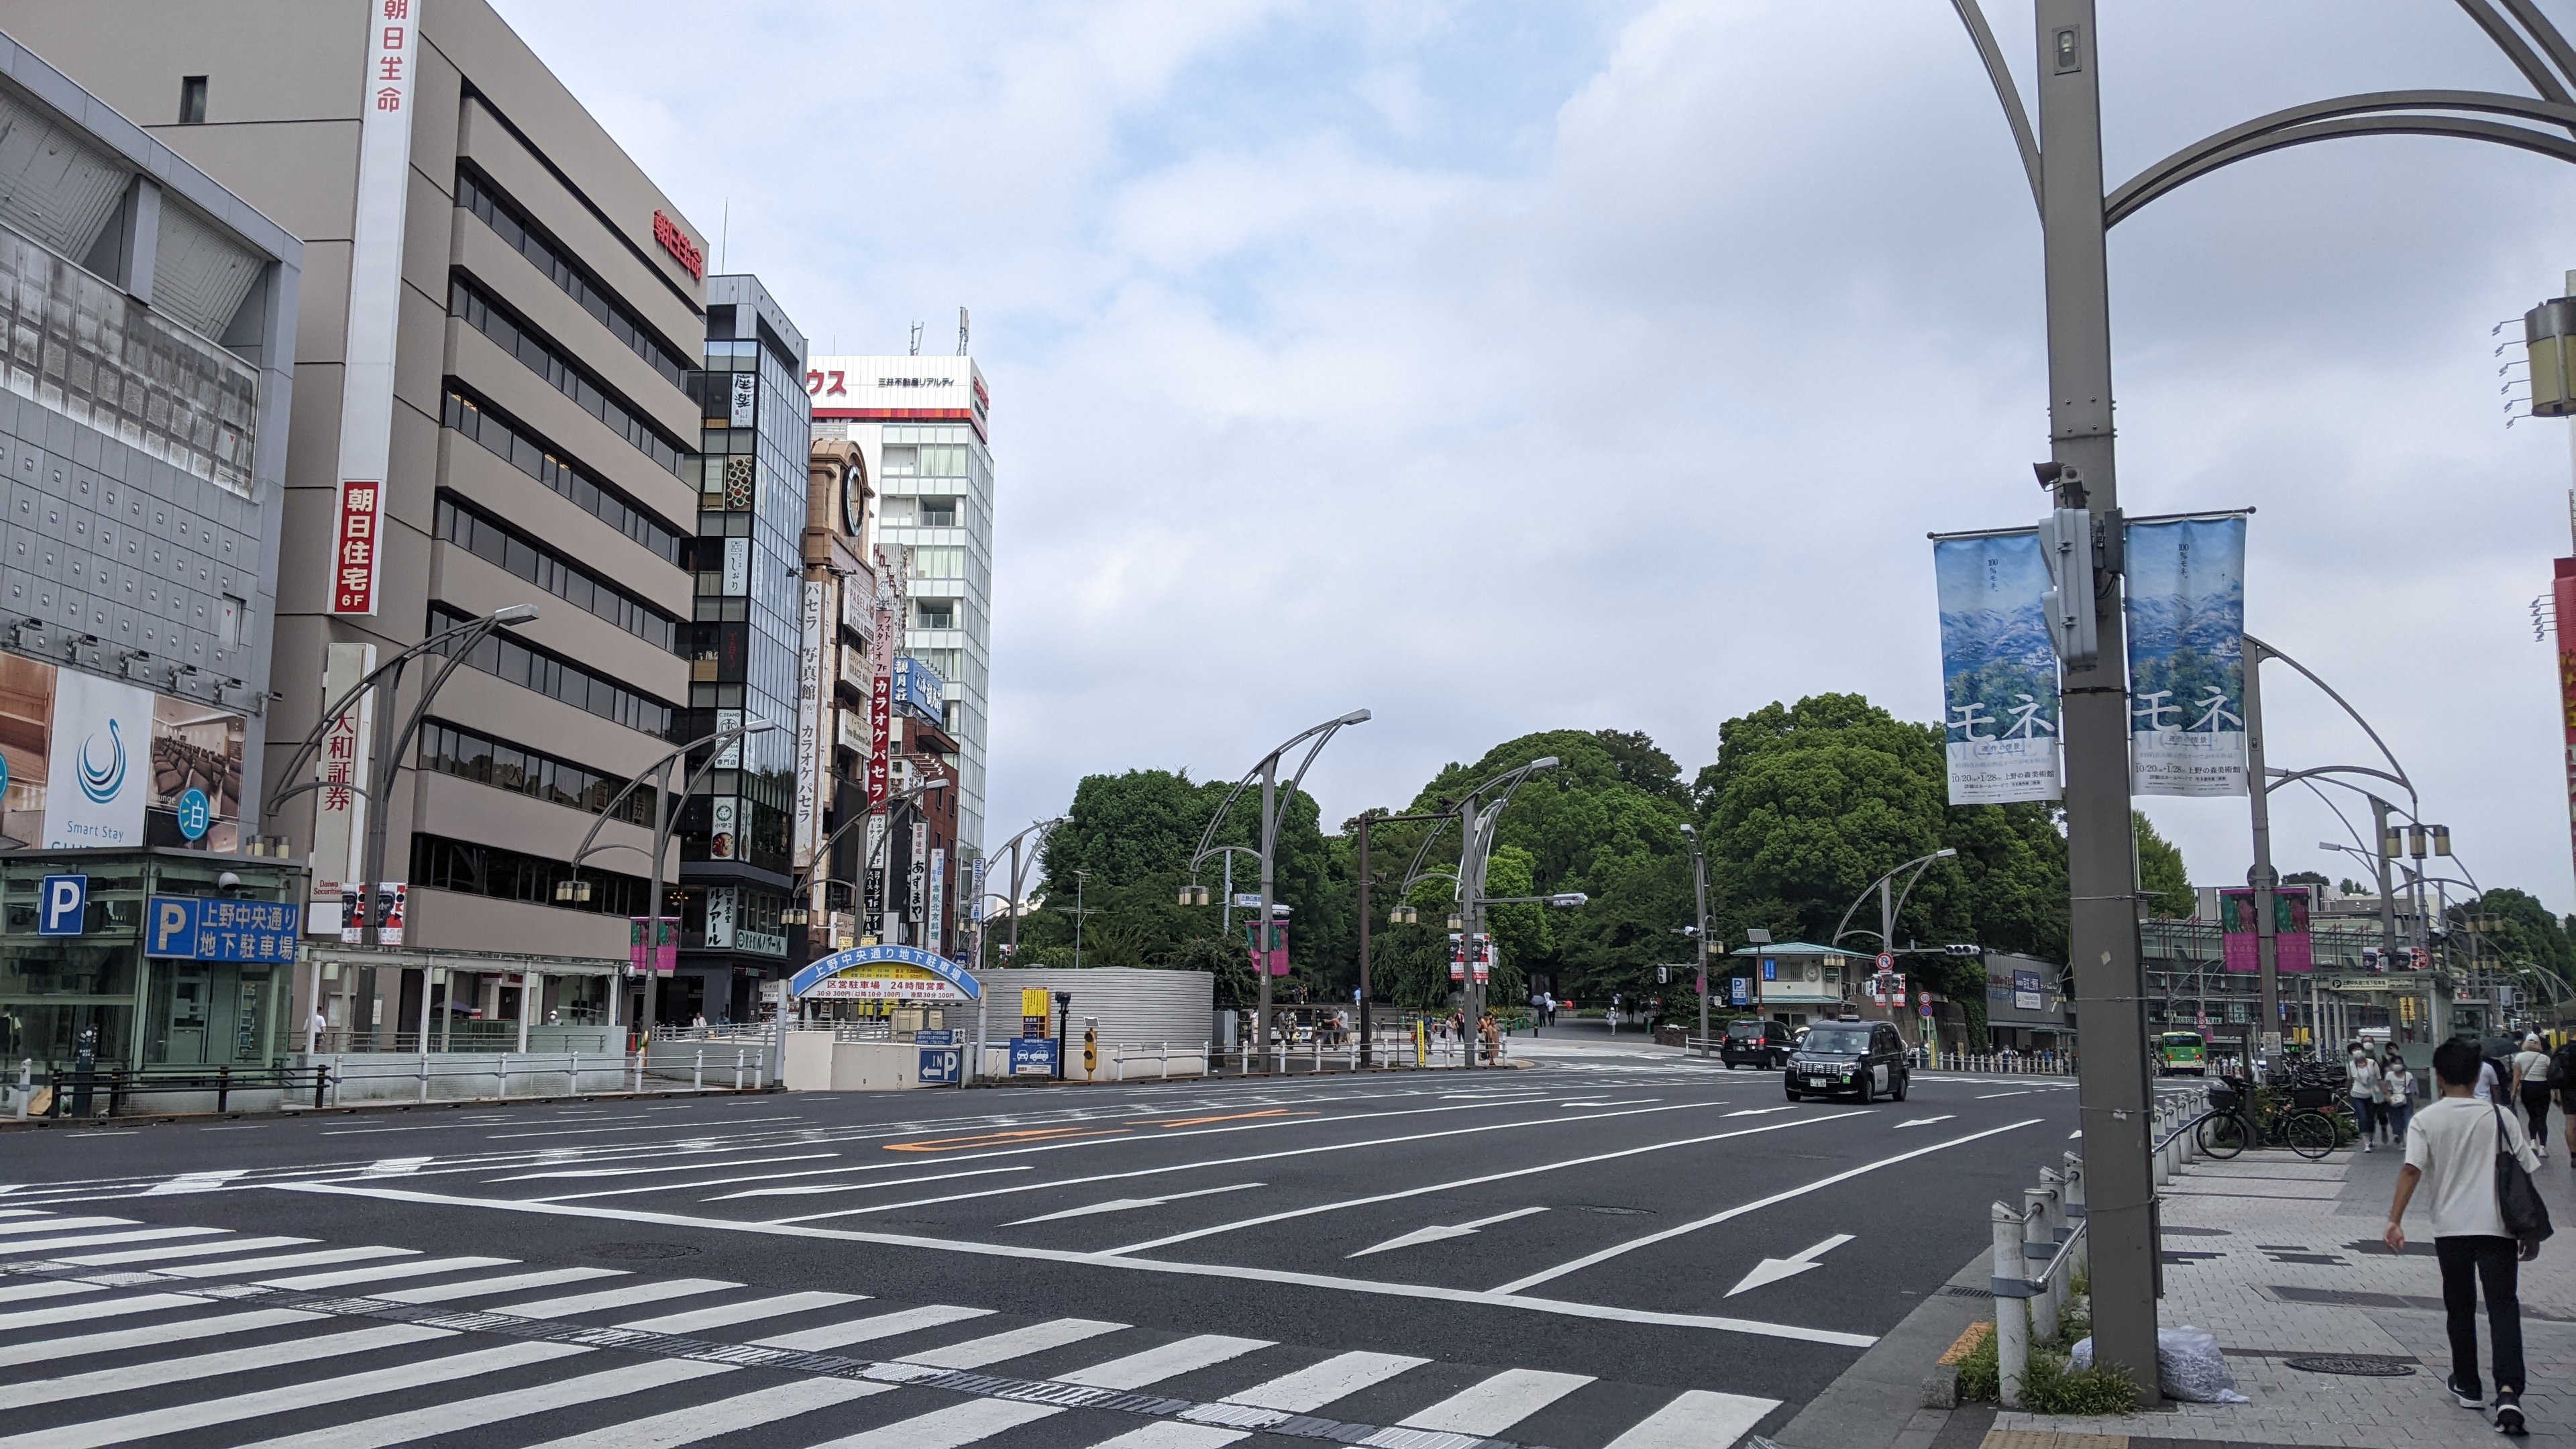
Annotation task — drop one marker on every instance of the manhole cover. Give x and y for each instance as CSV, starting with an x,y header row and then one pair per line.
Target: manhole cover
x,y
2353,1365
639,1252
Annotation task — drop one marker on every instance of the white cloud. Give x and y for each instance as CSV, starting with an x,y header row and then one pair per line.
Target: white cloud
x,y
1606,366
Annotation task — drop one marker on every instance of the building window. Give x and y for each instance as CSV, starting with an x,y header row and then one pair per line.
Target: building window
x,y
934,614
532,668
939,513
533,456
439,863
506,548
540,355
192,100
470,756
476,194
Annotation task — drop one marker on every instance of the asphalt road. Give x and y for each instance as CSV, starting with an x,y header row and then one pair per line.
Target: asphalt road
x,y
1541,1256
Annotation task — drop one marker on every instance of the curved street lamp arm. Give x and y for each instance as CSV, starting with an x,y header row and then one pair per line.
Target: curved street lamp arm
x,y
1270,762
2561,54
2126,201
2519,53
2261,650
2328,772
392,668
1996,71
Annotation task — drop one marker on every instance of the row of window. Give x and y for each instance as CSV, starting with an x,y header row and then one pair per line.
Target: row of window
x,y
477,194
469,756
439,863
522,450
540,357
498,544
524,665
923,461
917,512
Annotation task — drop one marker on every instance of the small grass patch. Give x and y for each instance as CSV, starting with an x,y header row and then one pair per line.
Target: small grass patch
x,y
2050,1387
1977,1376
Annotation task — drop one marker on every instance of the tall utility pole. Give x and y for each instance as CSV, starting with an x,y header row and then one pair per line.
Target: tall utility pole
x,y
2114,1092
1699,933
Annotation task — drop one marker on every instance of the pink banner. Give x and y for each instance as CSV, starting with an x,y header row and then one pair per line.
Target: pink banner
x,y
2292,943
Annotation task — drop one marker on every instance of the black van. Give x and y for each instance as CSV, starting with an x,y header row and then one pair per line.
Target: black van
x,y
1864,1058
1762,1045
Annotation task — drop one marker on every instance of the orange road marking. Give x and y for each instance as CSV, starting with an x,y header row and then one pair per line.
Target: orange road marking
x,y
1229,1117
998,1139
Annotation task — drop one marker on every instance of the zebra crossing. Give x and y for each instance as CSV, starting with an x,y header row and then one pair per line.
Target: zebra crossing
x,y
114,1331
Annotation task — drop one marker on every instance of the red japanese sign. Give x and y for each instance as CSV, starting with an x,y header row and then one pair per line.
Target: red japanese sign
x,y
677,243
880,739
355,541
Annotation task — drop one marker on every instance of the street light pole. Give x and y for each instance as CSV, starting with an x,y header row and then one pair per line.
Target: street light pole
x,y
1699,935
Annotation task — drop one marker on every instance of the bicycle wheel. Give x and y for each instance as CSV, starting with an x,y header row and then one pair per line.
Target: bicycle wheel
x,y
2222,1134
2310,1134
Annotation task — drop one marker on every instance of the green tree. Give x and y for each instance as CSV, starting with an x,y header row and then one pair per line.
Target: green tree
x,y
2161,876
2516,928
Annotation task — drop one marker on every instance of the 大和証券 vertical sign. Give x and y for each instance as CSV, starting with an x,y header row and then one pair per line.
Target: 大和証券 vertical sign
x,y
391,53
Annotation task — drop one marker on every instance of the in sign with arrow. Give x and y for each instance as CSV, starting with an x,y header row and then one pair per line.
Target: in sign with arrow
x,y
1772,1270
1443,1233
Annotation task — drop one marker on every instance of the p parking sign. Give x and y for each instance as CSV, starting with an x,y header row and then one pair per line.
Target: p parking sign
x,y
63,907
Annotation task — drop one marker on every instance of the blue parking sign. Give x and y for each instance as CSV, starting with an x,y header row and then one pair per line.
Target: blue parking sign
x,y
1740,990
939,1065
63,906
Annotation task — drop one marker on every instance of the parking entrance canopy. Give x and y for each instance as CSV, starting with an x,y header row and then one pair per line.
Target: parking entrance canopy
x,y
884,973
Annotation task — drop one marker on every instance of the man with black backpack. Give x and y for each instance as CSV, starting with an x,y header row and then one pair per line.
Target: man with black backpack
x,y
2562,1080
2474,1163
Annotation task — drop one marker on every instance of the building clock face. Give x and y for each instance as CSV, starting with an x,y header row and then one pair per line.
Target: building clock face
x,y
854,498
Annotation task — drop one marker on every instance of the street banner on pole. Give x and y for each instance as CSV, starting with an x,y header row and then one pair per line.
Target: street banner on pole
x,y
2562,590
1998,670
2294,945
2186,612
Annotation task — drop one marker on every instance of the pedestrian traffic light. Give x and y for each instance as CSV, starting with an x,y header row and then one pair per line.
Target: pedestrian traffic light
x,y
1964,948
1662,975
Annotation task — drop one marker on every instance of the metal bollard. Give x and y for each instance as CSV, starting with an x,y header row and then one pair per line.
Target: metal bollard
x,y
737,1069
572,1072
698,1073
639,1064
424,1076
2038,1247
2164,1147
339,1074
504,1073
2012,1315
2072,1202
1165,1066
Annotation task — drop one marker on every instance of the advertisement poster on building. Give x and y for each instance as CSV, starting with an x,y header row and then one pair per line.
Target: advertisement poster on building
x,y
95,775
723,904
932,933
392,897
666,954
386,72
2186,612
2562,588
1998,669
339,808
744,404
2294,945
811,756
873,868
724,827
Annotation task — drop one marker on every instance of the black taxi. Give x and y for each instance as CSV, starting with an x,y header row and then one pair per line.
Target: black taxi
x,y
1864,1058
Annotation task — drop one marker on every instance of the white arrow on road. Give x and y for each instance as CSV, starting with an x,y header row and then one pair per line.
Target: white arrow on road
x,y
1438,1234
1926,1121
1129,1204
1772,1270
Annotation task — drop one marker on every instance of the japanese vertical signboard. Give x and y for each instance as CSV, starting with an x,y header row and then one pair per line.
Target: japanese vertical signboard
x,y
932,934
340,806
2186,611
1998,669
811,749
391,52
2563,594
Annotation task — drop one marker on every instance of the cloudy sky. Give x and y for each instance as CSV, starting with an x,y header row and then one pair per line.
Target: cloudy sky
x,y
1509,366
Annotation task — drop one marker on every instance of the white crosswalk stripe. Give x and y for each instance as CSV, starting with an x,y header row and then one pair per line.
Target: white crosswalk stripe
x,y
1697,1419
226,1361
1014,1343
949,1428
1187,1355
628,1297
22,1292
727,1315
1171,1434
276,1262
410,1268
180,1250
1492,1405
180,1418
62,1225
1316,1385
403,1428
487,1287
725,1416
19,1247
111,1308
868,1330
116,1340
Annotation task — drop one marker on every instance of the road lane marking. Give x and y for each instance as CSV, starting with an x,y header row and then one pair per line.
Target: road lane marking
x,y
1129,1204
1440,1233
1270,1277
726,1316
807,1189
396,1166
1697,1419
1927,1121
81,1346
1170,1361
1761,1111
508,1283
1497,1403
1456,1183
459,1414
725,1416
1606,1254
1629,1102
866,1330
1990,1096
181,1250
1002,1139
609,1298
1316,1385
1772,1270
1228,1117
1013,1343
211,1365
638,1171
949,1428
91,1240
403,1268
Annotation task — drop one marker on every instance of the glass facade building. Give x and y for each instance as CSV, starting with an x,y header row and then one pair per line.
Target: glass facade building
x,y
737,831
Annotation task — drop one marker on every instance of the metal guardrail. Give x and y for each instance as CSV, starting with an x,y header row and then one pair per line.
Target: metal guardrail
x,y
57,1091
2048,1230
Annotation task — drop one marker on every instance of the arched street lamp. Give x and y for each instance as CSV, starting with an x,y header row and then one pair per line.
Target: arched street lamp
x,y
1477,816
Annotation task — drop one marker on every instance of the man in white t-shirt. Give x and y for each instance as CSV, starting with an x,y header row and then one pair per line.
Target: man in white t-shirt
x,y
2451,1150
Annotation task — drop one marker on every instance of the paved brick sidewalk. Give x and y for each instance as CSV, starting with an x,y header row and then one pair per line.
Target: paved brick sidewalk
x,y
2279,1257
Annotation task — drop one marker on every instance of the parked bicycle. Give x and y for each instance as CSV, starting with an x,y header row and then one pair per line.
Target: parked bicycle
x,y
2234,1122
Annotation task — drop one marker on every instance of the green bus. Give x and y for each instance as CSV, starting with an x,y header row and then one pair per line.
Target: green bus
x,y
2181,1051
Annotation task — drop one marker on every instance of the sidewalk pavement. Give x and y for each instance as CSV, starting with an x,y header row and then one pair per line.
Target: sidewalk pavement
x,y
2281,1259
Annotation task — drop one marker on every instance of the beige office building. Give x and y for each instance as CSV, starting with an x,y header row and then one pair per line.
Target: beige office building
x,y
500,312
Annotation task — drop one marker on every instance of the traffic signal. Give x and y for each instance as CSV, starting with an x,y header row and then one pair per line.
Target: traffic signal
x,y
1964,948
1663,975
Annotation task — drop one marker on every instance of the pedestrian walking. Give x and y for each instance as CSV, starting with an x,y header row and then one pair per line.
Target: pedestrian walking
x,y
2363,1076
2455,1150
2531,1089
2562,1079
2397,1093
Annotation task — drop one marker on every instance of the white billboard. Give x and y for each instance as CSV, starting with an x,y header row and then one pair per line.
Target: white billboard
x,y
99,763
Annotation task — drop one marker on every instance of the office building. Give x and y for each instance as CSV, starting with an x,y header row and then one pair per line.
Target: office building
x,y
502,317
923,432
144,417
743,832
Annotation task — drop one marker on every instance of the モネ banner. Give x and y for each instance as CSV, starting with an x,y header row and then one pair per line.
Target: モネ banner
x,y
1998,670
2186,612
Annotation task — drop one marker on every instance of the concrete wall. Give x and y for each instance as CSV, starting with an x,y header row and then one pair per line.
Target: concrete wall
x,y
1134,1007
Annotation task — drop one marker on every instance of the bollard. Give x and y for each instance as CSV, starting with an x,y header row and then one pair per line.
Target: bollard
x,y
2012,1316
503,1064
424,1076
2038,1247
572,1074
339,1074
639,1065
698,1073
2073,1194
2164,1147
27,1087
2053,1183
737,1069
1165,1066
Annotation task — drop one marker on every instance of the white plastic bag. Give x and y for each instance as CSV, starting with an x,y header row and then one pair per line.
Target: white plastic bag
x,y
2189,1366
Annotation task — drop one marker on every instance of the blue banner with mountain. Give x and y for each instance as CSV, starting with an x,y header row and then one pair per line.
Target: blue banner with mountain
x,y
1998,670
2186,612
